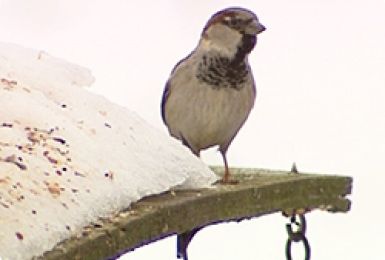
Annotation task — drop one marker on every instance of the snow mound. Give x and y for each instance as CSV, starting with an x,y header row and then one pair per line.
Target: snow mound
x,y
68,156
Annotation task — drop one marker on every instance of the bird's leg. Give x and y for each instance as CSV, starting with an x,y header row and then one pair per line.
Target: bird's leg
x,y
226,177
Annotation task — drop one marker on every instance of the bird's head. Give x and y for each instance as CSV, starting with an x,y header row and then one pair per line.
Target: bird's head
x,y
231,31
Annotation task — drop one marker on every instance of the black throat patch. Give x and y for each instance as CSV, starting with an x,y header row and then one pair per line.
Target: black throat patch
x,y
222,72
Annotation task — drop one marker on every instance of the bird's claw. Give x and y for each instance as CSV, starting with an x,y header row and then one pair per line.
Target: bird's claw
x,y
227,182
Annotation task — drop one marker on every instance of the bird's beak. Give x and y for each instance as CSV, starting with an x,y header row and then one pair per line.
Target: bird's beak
x,y
254,27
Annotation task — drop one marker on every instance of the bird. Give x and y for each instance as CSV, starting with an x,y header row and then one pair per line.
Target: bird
x,y
210,93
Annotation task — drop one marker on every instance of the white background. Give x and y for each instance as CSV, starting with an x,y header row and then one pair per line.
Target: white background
x,y
320,73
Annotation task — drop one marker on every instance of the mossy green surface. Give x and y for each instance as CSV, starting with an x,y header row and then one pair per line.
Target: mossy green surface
x,y
259,192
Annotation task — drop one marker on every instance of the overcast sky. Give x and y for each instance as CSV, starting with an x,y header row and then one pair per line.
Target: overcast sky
x,y
320,74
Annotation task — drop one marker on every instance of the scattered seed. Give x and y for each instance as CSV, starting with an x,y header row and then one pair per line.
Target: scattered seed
x,y
9,125
52,160
54,189
79,174
109,174
97,225
19,236
59,140
4,205
14,160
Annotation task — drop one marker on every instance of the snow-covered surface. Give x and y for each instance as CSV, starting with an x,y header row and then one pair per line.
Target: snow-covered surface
x,y
68,157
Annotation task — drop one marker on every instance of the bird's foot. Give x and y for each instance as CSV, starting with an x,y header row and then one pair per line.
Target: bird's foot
x,y
227,181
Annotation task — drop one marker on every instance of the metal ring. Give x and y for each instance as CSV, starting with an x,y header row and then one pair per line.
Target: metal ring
x,y
296,235
305,243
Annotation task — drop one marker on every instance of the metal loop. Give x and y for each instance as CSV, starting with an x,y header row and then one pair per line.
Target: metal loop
x,y
183,241
305,243
297,236
301,227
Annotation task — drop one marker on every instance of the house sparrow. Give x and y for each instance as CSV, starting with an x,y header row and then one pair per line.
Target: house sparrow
x,y
211,92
